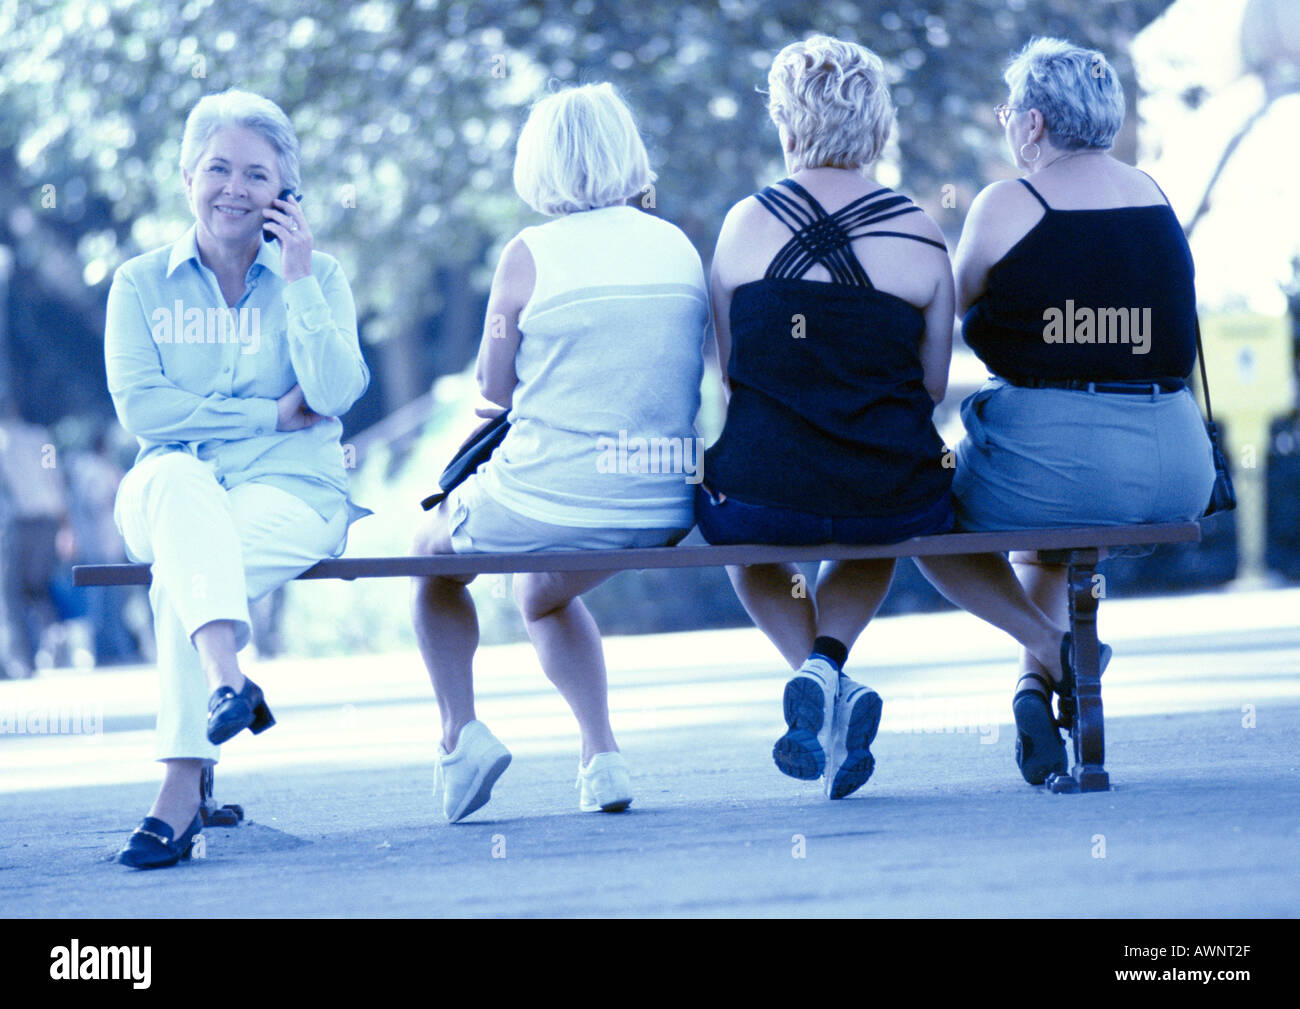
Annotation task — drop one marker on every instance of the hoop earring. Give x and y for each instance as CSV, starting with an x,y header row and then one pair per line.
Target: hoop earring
x,y
1025,157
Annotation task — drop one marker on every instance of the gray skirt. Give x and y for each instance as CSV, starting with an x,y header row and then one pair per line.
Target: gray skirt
x,y
1035,458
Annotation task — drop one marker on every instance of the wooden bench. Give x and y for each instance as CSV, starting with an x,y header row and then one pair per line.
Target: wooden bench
x,y
1079,549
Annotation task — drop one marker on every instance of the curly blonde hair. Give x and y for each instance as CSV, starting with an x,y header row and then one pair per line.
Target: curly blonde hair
x,y
832,98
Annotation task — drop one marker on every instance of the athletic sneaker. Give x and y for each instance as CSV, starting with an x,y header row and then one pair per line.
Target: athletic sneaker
x,y
467,774
606,786
809,712
857,717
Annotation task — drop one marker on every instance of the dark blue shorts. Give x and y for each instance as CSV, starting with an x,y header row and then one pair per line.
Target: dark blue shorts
x,y
733,521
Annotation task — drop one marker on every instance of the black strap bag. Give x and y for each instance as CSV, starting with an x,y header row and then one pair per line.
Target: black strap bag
x,y
476,450
1222,498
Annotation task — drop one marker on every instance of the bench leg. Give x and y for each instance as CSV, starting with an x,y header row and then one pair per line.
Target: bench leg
x,y
214,815
1082,714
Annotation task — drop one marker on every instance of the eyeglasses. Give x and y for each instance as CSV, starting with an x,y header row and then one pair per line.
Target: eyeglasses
x,y
1003,112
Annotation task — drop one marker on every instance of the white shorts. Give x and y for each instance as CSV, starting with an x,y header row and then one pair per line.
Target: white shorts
x,y
479,524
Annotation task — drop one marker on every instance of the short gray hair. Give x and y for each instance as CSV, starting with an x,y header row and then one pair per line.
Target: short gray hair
x,y
1076,90
832,98
242,108
580,150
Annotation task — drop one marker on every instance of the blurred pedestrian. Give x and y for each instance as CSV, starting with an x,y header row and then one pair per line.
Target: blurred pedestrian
x,y
93,479
35,509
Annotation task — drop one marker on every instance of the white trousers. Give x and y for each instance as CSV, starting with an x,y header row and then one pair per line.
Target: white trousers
x,y
212,550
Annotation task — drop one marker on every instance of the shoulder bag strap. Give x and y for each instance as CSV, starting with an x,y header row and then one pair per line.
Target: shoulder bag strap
x,y
1205,384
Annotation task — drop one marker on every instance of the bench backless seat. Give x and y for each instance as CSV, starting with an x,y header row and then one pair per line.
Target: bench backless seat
x,y
1078,548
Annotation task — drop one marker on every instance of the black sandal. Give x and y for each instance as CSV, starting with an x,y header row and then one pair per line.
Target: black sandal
x,y
1039,749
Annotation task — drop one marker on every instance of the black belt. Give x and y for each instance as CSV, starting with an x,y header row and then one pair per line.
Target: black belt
x,y
1130,388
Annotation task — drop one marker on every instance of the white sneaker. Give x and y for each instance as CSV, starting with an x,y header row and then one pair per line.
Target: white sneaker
x,y
605,785
849,762
467,774
809,713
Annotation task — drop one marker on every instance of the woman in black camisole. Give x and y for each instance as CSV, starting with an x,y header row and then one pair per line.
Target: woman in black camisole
x,y
1077,292
833,306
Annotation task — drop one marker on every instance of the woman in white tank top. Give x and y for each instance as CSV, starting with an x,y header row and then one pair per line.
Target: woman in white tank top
x,y
594,344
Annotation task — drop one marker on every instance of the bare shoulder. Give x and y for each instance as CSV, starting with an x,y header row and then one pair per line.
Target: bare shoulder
x,y
1006,197
918,223
516,258
516,272
1140,187
516,254
740,218
999,216
746,242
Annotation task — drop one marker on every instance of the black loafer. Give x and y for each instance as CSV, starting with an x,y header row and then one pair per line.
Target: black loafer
x,y
152,846
231,712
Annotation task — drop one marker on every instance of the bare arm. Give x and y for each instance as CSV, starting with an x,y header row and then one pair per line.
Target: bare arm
x,y
512,286
936,343
720,302
998,218
722,286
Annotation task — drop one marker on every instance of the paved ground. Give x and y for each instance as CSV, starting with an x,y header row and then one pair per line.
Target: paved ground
x,y
1204,820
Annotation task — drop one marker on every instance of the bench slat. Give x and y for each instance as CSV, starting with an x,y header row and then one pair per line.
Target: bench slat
x,y
699,555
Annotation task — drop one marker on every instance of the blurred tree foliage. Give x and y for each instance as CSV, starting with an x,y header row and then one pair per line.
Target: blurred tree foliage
x,y
408,112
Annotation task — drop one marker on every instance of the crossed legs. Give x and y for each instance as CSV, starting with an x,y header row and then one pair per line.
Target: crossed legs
x,y
175,803
212,550
1032,611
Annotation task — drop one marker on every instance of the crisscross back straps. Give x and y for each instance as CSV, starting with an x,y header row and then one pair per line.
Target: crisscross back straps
x,y
826,239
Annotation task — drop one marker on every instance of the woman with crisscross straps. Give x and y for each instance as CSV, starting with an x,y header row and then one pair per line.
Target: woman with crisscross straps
x,y
832,301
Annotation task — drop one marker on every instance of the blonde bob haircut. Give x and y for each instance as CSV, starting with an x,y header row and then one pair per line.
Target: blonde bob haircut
x,y
832,98
580,150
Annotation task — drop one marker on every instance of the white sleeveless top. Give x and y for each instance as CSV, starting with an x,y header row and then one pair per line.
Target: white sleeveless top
x,y
609,365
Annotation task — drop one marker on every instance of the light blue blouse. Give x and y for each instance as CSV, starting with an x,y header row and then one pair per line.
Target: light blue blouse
x,y
188,374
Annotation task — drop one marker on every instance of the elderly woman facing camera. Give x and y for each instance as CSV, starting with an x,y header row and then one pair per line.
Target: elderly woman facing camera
x,y
833,306
230,356
1077,292
594,338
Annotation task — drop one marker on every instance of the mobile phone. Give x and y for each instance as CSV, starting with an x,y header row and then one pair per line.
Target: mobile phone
x,y
285,194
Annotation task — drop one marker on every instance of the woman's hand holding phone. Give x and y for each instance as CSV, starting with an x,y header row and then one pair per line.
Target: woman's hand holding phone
x,y
286,223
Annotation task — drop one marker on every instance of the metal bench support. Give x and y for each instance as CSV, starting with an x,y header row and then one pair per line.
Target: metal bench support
x,y
214,815
1082,713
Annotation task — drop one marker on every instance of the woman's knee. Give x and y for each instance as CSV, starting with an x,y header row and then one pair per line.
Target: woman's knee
x,y
539,594
433,535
